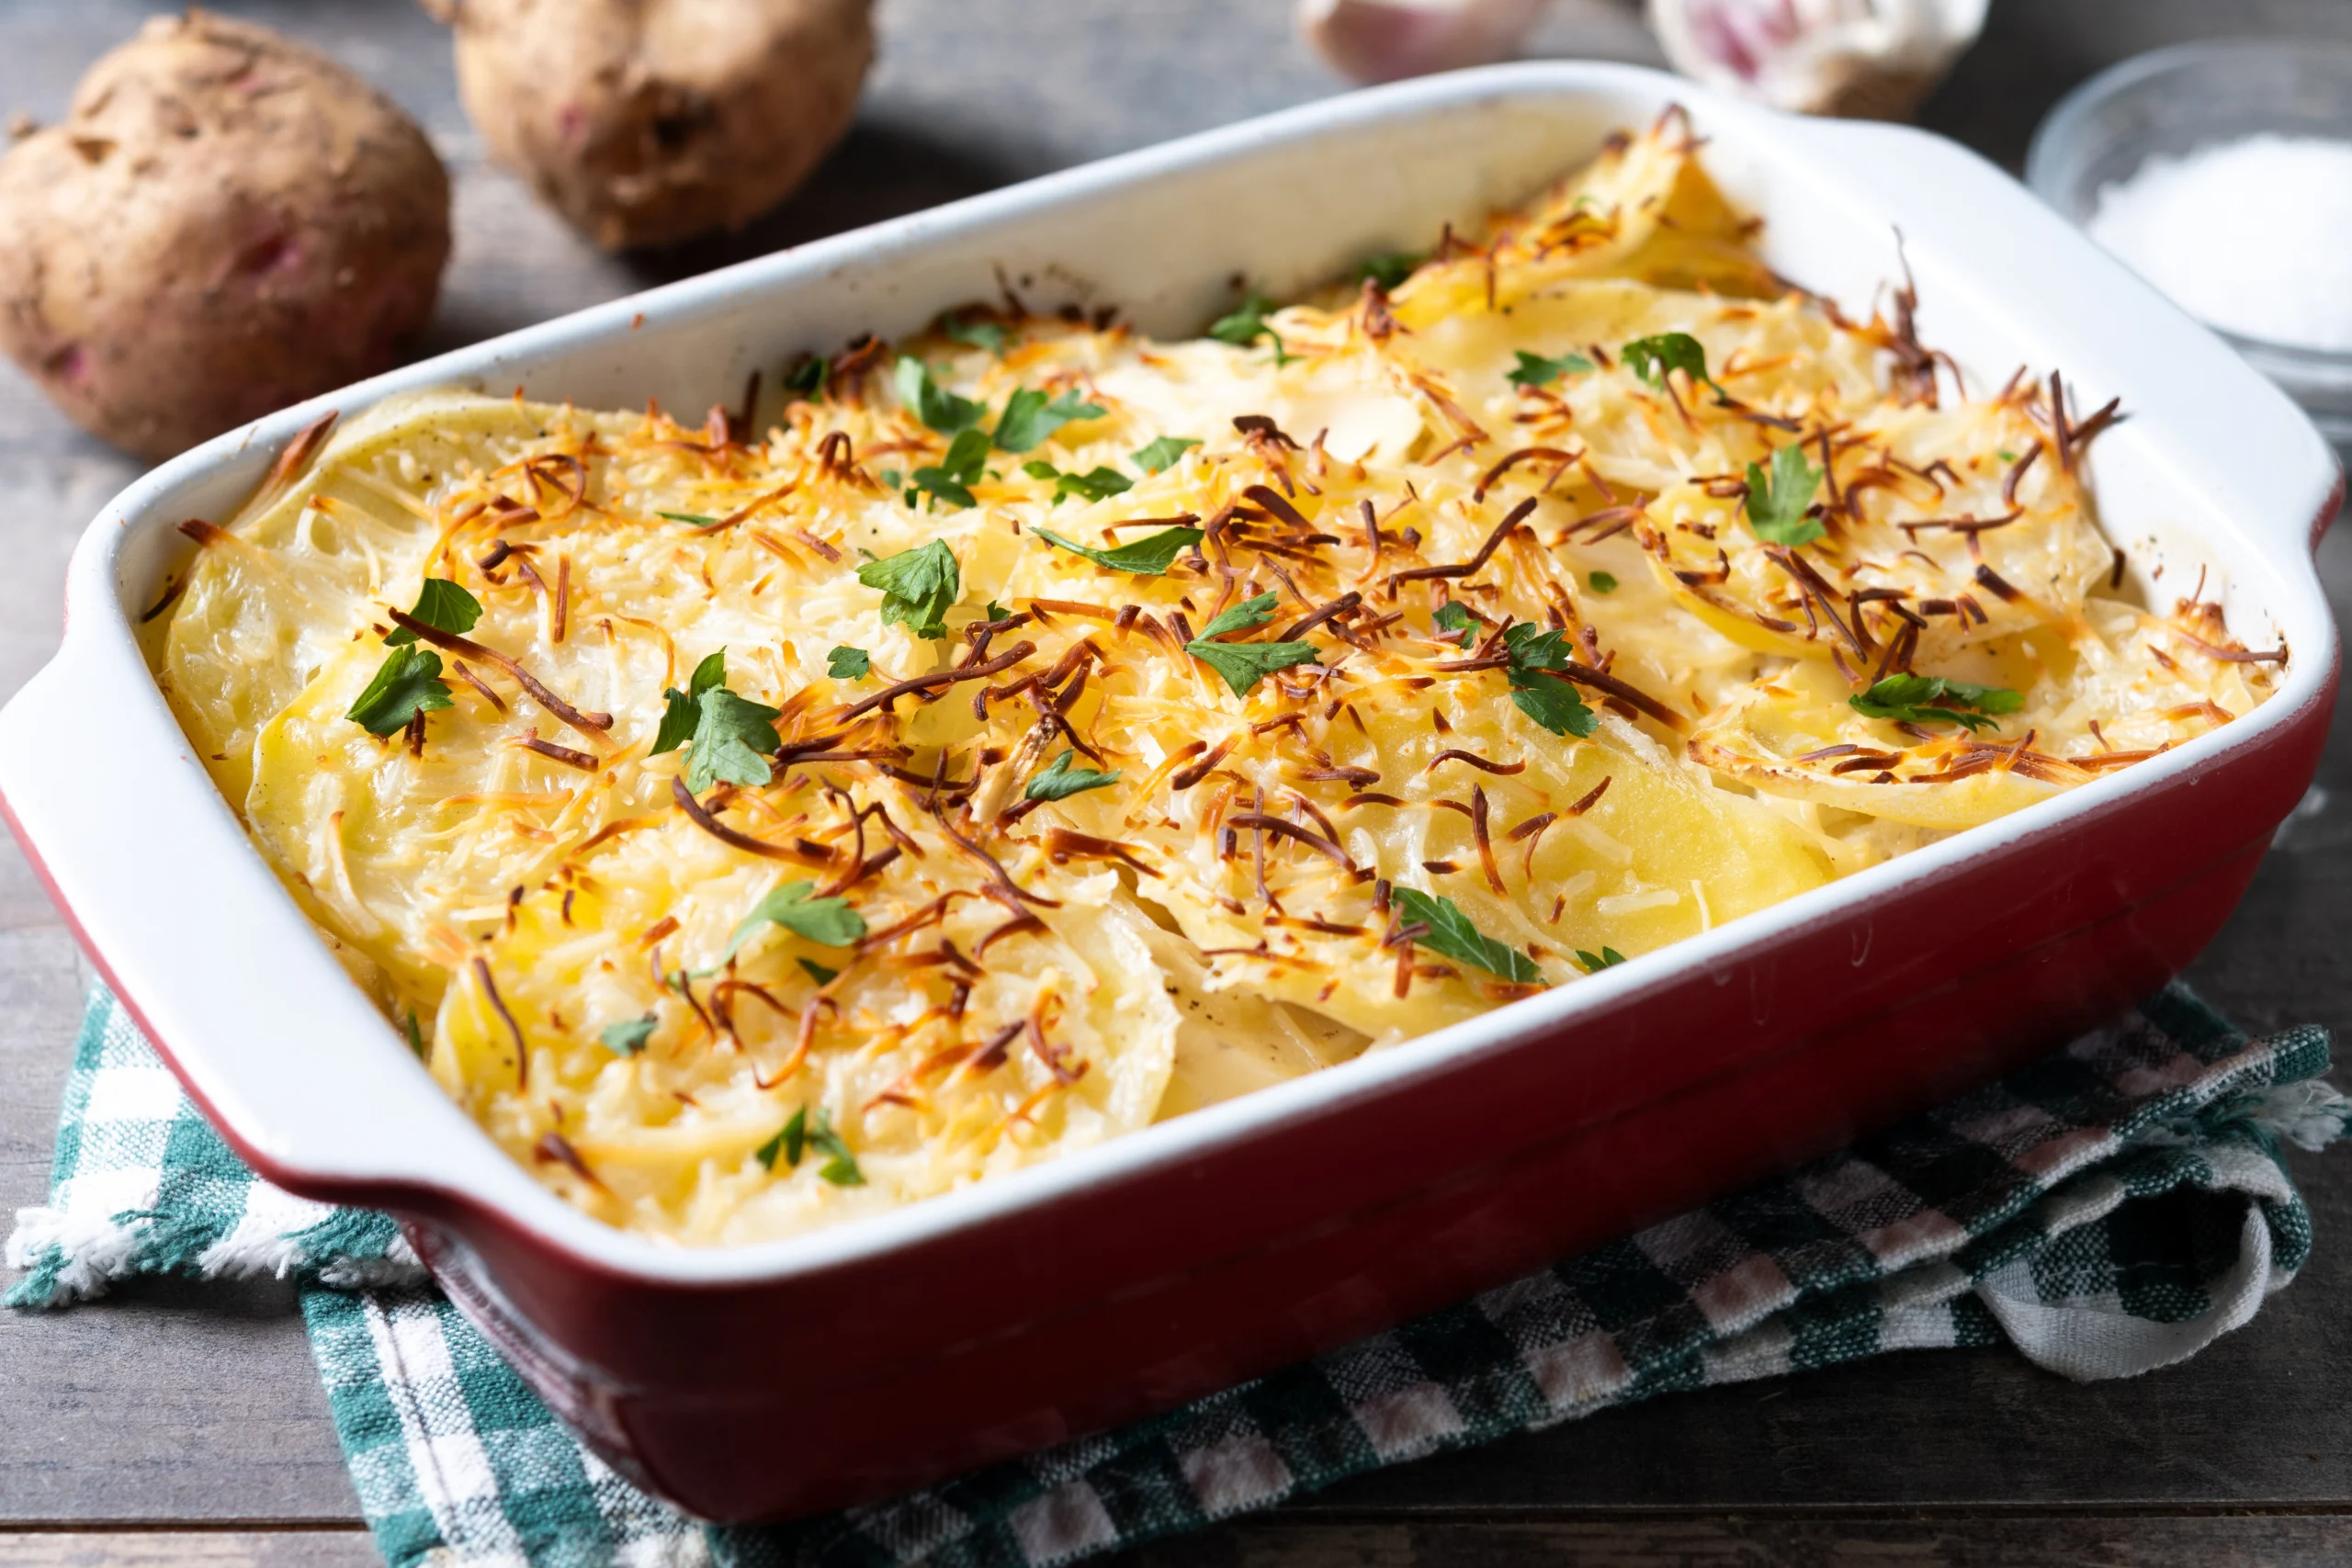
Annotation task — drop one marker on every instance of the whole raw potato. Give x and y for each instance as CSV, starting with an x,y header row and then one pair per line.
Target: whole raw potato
x,y
226,223
647,122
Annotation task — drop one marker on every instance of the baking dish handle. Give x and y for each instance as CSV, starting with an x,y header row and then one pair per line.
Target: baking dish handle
x,y
2284,480
261,1044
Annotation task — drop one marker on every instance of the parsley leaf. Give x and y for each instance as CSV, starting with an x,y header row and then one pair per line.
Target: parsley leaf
x,y
951,478
1451,933
788,1142
975,334
685,710
796,1137
819,973
1652,357
408,682
996,612
1931,699
1244,665
1059,780
1029,419
919,587
444,607
1602,582
827,922
805,378
1249,613
732,737
931,404
846,663
1098,485
727,736
1775,504
1147,557
1388,268
1594,963
1535,370
1162,452
840,1166
628,1037
698,519
1452,617
1535,688
1247,325
415,1037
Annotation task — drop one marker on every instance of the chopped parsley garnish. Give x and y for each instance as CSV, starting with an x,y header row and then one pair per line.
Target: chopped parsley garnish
x,y
819,973
444,607
805,378
919,587
628,1037
407,683
827,922
2003,454
1535,370
1388,268
699,520
934,405
1931,699
1652,357
798,1137
975,333
1542,695
1147,557
1594,963
1102,483
1602,582
678,719
1776,502
1059,780
1451,934
727,736
1244,665
1241,617
1163,452
1247,325
788,1142
847,663
415,1036
953,476
996,612
1452,617
1029,418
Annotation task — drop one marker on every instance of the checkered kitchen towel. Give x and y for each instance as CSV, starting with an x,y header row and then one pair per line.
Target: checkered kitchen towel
x,y
2111,1209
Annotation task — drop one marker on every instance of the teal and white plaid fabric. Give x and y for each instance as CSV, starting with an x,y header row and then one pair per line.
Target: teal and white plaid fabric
x,y
2111,1209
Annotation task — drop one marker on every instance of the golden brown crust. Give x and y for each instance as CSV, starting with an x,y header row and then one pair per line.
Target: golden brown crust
x,y
226,222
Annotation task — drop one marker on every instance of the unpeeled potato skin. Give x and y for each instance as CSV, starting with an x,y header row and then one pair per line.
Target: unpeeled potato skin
x,y
650,122
227,223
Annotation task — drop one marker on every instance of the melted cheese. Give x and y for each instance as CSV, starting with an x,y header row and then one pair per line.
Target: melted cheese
x,y
518,873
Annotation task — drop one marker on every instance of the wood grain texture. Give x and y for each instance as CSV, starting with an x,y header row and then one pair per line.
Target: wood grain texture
x,y
180,1405
346,1548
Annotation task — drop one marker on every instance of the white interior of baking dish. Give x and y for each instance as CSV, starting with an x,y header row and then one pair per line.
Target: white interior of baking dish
x,y
2215,470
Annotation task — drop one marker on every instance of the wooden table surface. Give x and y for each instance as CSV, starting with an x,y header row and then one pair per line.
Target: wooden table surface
x,y
175,1422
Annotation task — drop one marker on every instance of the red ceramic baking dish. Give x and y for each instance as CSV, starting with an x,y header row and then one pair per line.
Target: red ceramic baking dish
x,y
769,1380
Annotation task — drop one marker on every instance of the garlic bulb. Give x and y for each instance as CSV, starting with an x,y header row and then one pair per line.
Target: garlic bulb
x,y
1382,40
1861,58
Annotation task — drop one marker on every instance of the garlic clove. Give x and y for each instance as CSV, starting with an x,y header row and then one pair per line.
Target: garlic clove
x,y
1861,58
1383,41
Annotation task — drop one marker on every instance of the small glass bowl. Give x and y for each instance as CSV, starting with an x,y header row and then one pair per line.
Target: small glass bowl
x,y
2174,100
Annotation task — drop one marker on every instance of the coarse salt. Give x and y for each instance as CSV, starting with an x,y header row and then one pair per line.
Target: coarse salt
x,y
2253,236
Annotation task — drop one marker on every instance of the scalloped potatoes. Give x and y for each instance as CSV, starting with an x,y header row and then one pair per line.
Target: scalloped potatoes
x,y
1039,729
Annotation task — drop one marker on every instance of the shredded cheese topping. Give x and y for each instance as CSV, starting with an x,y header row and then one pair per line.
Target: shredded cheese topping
x,y
1340,816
